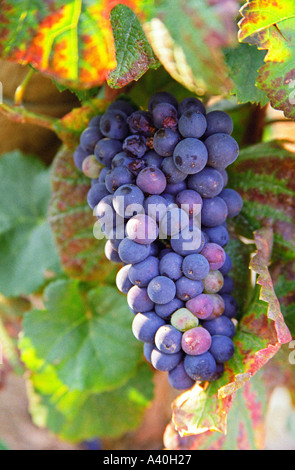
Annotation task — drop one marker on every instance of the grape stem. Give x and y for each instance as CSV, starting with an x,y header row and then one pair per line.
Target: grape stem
x,y
22,115
20,91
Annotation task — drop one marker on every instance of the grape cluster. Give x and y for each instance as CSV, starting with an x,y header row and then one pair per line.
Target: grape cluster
x,y
158,190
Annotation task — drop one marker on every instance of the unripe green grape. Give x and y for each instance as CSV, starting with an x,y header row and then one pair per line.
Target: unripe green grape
x,y
91,167
183,320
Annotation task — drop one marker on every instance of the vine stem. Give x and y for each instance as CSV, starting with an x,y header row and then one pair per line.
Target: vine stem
x,y
19,92
23,115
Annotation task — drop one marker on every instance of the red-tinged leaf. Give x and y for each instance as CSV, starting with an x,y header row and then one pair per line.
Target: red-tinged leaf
x,y
264,176
70,41
271,26
71,219
260,334
69,127
245,425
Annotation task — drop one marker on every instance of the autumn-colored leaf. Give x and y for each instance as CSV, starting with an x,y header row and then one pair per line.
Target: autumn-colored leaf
x,y
260,334
271,26
70,41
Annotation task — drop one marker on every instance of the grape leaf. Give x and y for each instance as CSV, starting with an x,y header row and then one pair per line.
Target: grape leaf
x,y
188,38
271,25
27,247
264,176
245,424
133,52
69,41
82,255
243,62
77,416
260,334
86,335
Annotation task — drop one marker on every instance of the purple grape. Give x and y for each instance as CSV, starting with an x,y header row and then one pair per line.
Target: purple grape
x,y
179,379
186,288
165,116
102,175
135,145
123,282
118,177
218,122
145,326
191,104
161,97
161,290
147,351
155,206
196,341
152,158
230,306
79,157
165,310
218,235
192,124
222,348
190,201
106,149
227,265
214,254
174,221
138,300
214,212
228,285
200,368
171,266
140,122
111,251
142,229
195,267
172,173
218,306
121,105
187,242
190,156
175,188
95,194
121,159
208,182
140,274
131,252
223,150
201,306
165,141
233,201
168,339
128,200
113,124
95,121
220,326
165,362
151,180
89,138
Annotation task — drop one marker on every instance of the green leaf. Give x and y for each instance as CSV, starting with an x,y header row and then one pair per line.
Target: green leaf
x,y
133,52
244,62
77,416
27,248
188,38
86,335
270,26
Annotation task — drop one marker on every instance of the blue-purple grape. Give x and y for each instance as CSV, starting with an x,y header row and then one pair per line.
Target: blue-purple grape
x,y
140,274
151,180
161,290
222,348
200,368
131,252
171,266
138,300
168,339
192,124
190,156
222,149
208,182
145,326
106,149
